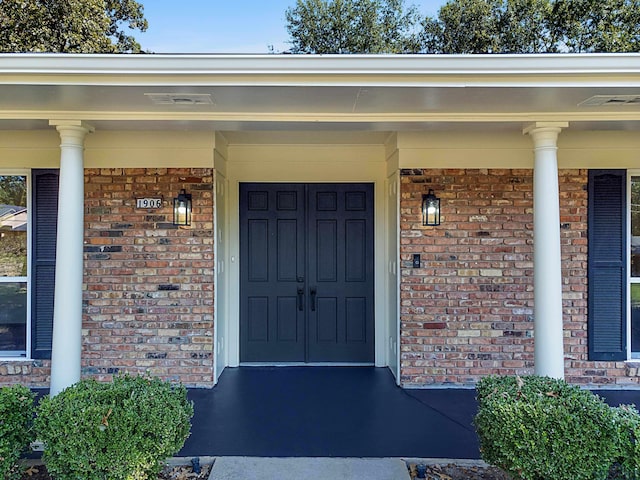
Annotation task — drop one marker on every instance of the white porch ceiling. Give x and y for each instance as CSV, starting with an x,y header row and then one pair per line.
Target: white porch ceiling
x,y
323,93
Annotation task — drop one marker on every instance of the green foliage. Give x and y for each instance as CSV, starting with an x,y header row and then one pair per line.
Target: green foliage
x,y
16,415
627,421
127,12
533,26
352,26
635,206
597,25
113,431
13,190
13,243
465,26
70,26
13,254
538,428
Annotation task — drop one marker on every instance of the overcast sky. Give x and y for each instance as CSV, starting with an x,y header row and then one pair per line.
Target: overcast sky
x,y
224,26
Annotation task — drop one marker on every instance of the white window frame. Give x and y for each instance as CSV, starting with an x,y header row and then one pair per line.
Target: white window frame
x,y
27,356
630,279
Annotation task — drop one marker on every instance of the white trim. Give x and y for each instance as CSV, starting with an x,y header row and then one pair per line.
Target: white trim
x,y
392,273
15,171
475,69
342,165
23,279
630,279
221,283
319,117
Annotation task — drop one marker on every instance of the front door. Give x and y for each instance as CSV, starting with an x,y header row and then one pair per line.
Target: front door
x,y
306,273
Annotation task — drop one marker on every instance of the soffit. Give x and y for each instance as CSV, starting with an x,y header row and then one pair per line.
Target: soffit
x,y
323,93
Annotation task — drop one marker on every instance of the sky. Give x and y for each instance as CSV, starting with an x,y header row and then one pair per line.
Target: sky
x,y
225,26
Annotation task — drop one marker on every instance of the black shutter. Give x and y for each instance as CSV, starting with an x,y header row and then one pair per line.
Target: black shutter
x,y
43,247
607,266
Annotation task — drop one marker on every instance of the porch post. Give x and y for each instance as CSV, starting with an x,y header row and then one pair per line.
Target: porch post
x,y
67,307
547,267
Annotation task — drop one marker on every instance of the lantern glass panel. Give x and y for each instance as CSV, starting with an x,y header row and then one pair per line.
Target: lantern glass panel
x,y
182,209
430,210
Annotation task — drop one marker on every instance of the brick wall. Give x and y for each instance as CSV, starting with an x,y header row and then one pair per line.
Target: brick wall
x,y
149,285
468,311
33,373
148,299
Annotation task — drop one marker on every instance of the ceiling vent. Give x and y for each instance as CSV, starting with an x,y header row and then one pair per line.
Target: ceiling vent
x,y
608,100
180,98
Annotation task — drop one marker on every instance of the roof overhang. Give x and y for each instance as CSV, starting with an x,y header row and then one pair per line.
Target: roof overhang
x,y
319,92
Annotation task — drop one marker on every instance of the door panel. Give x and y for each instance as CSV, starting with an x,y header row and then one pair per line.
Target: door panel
x,y
271,262
340,219
306,273
258,255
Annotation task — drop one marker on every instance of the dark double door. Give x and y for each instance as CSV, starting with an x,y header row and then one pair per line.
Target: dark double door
x,y
306,273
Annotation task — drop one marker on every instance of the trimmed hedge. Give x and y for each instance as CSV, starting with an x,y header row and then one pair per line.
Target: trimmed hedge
x,y
538,428
627,422
16,416
122,430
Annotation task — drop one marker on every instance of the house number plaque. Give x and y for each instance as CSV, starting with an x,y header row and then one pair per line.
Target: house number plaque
x,y
148,203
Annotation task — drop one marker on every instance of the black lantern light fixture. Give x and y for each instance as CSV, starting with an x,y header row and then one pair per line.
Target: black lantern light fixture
x,y
430,210
182,209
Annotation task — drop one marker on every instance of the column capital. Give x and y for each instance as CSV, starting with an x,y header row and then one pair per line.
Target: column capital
x,y
531,128
71,123
72,132
545,134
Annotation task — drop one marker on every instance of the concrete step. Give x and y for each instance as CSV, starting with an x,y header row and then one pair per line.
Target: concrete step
x,y
260,468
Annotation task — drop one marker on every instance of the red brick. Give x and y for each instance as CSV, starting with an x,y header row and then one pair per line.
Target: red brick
x,y
488,225
117,315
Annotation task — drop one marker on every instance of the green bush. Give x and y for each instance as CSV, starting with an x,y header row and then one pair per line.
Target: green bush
x,y
538,428
627,421
122,430
16,415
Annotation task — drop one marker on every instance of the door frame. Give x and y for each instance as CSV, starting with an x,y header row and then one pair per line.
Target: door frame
x,y
307,164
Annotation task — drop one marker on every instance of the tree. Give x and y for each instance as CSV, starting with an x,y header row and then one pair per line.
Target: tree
x,y
13,190
533,26
598,26
70,26
524,27
352,26
463,26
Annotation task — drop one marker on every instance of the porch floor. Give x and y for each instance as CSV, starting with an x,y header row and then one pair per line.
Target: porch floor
x,y
329,412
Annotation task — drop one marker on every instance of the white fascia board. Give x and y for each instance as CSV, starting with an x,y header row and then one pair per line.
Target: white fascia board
x,y
384,70
525,117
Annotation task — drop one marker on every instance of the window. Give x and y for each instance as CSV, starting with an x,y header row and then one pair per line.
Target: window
x,y
14,279
634,265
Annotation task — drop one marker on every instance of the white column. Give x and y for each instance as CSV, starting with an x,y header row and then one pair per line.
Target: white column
x,y
547,266
67,308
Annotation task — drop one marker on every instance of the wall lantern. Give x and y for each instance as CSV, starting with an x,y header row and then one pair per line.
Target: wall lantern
x,y
182,209
430,210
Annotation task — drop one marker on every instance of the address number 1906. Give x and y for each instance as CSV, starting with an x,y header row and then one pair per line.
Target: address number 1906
x,y
148,202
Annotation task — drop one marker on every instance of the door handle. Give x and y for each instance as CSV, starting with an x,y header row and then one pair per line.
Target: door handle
x,y
313,291
300,298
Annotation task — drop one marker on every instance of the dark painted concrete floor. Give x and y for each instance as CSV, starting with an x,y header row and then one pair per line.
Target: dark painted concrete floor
x,y
335,412
328,412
